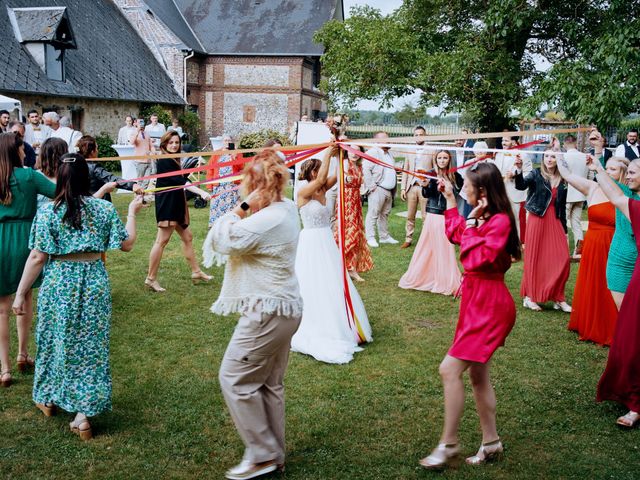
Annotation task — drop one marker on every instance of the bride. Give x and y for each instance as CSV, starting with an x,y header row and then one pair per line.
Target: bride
x,y
325,332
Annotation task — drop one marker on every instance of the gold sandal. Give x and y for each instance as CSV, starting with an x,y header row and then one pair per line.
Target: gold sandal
x,y
443,455
200,276
153,285
488,452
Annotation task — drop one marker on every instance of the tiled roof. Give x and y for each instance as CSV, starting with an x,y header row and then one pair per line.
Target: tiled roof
x,y
167,11
250,27
37,24
111,60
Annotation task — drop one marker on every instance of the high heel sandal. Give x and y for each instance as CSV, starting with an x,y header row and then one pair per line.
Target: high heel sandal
x,y
629,419
153,285
355,277
84,433
49,409
200,276
25,362
5,378
443,455
488,452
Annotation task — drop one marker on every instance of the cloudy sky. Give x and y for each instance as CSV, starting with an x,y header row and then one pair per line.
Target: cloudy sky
x,y
386,6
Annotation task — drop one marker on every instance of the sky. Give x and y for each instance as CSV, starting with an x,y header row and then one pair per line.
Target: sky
x,y
386,7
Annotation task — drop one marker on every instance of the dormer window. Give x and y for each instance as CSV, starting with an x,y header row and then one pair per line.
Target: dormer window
x,y
46,33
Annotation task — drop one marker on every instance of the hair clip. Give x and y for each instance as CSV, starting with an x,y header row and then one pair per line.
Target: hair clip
x,y
69,159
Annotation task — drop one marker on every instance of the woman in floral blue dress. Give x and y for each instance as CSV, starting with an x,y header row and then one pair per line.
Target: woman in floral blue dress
x,y
223,196
74,303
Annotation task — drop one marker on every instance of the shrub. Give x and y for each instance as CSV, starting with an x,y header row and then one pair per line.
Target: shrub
x,y
190,123
164,115
257,139
104,142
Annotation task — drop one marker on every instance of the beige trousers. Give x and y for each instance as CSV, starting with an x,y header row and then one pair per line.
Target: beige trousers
x,y
414,198
251,378
574,219
379,206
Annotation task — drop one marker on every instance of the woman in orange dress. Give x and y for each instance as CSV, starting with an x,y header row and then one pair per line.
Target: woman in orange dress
x,y
594,312
357,255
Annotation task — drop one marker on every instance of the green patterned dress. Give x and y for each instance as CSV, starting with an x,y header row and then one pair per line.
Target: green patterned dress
x,y
623,250
74,308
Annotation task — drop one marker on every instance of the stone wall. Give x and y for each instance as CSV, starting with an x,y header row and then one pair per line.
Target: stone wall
x,y
94,116
251,112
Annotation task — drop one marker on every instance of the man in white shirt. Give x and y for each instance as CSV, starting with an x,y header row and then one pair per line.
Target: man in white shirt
x,y
578,165
5,116
35,132
51,120
379,182
504,161
68,134
411,186
155,130
125,133
629,149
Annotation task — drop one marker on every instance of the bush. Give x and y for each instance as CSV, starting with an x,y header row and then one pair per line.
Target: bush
x,y
627,125
257,139
104,142
190,123
164,115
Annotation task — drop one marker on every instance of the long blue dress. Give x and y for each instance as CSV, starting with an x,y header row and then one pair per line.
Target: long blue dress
x,y
74,308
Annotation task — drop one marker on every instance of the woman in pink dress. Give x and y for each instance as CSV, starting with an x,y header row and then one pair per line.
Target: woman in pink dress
x,y
620,381
434,267
488,239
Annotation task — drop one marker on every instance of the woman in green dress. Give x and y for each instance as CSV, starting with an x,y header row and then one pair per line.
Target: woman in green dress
x,y
19,188
74,303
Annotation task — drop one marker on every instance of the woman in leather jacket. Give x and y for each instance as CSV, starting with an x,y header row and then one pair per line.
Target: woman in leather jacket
x,y
434,267
546,263
98,176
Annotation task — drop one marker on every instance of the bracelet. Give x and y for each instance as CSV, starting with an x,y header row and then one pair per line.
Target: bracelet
x,y
474,220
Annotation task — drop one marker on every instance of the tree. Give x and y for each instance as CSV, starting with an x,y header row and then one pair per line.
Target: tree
x,y
479,57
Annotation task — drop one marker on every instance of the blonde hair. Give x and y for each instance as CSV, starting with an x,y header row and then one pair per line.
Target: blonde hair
x,y
624,164
268,173
554,179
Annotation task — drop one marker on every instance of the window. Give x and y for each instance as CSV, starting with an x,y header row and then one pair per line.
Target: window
x,y
54,62
249,114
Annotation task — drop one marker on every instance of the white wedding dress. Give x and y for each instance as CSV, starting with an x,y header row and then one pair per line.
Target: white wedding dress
x,y
325,332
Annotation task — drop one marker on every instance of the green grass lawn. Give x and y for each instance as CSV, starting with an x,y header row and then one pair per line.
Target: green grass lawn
x,y
371,419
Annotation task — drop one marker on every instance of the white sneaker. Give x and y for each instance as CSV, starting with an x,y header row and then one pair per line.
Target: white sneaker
x,y
372,243
564,306
390,240
246,469
530,304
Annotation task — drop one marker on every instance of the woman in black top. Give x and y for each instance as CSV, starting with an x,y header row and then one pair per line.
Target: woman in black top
x,y
434,266
98,176
172,213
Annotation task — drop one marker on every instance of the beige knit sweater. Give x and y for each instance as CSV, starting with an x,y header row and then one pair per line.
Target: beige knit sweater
x,y
260,270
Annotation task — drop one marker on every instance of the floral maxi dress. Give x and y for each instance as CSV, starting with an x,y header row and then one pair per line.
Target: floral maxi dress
x,y
74,308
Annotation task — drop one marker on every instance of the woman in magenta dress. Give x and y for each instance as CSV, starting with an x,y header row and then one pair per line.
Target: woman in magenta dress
x,y
620,381
546,261
488,239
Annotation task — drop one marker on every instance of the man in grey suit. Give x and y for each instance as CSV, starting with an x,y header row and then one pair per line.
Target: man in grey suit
x,y
380,183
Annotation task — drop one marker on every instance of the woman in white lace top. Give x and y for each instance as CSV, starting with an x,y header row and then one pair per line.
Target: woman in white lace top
x,y
260,284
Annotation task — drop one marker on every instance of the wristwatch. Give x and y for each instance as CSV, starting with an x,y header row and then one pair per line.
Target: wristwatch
x,y
245,206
